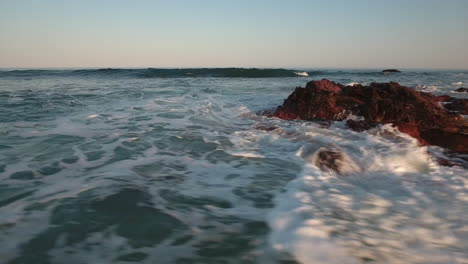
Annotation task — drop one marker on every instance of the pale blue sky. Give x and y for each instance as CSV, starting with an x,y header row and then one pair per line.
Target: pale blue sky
x,y
241,33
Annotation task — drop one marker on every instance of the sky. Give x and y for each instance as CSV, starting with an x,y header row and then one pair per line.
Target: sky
x,y
422,34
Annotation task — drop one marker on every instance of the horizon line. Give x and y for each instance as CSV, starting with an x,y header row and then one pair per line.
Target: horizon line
x,y
234,67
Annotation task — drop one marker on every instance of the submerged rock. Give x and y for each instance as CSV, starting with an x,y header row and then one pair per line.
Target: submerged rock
x,y
333,159
419,114
265,127
336,160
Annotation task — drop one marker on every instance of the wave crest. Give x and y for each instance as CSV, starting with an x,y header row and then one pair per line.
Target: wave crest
x,y
159,73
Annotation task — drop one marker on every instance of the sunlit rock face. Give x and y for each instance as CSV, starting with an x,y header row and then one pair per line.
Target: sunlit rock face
x,y
421,115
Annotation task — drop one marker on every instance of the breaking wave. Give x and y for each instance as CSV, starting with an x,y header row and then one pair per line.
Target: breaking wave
x,y
159,73
214,73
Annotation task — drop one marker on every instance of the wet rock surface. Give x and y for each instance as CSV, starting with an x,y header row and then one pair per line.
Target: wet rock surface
x,y
332,158
462,90
421,115
457,105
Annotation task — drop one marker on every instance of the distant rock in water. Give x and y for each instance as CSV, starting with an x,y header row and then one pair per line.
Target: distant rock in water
x,y
419,114
462,90
390,70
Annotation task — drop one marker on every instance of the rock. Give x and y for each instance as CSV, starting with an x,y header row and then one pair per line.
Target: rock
x,y
457,105
462,90
446,162
444,98
333,159
360,126
450,159
265,127
419,114
390,70
329,159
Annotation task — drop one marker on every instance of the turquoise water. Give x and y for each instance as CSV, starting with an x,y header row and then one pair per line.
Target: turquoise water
x,y
121,167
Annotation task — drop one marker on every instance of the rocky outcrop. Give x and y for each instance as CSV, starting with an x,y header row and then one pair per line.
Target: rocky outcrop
x,y
418,114
462,90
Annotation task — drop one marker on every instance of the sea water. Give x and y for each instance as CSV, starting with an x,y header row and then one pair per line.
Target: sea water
x,y
168,166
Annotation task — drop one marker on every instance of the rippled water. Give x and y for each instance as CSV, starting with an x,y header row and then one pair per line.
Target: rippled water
x,y
120,169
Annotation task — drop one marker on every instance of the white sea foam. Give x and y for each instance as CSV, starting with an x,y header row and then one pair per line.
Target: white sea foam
x,y
368,215
352,83
428,88
248,155
304,74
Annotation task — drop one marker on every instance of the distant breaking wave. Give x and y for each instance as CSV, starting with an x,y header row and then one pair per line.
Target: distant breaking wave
x,y
304,74
159,73
347,76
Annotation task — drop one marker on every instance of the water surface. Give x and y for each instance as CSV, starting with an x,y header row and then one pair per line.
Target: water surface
x,y
156,166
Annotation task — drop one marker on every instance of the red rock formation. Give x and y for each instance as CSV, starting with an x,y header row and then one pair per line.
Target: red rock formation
x,y
418,114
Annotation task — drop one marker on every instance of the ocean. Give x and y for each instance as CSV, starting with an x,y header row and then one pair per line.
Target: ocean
x,y
169,166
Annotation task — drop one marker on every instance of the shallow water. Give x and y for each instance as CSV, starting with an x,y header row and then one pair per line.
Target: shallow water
x,y
120,168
